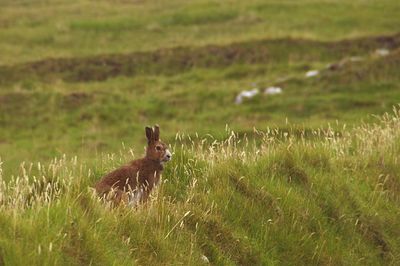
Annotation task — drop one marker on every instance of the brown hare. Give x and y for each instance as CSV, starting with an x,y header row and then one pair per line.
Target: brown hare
x,y
131,184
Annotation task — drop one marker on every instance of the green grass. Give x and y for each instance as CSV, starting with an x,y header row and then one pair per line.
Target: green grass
x,y
83,78
326,200
36,30
44,113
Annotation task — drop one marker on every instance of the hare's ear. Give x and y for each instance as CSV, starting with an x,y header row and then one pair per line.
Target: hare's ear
x,y
149,134
156,133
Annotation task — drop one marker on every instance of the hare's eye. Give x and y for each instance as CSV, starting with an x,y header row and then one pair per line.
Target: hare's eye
x,y
158,148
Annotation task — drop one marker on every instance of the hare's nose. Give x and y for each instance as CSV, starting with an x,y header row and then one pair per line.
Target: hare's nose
x,y
168,155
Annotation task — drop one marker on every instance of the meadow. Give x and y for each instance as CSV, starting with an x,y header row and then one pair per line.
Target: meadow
x,y
306,177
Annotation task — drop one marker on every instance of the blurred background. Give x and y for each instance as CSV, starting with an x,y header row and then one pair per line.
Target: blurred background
x,y
85,77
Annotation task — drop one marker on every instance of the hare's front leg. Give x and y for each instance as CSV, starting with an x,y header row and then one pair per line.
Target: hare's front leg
x,y
135,197
146,192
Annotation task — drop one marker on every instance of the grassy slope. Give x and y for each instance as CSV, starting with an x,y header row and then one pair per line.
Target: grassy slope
x,y
292,201
32,30
57,106
44,115
323,201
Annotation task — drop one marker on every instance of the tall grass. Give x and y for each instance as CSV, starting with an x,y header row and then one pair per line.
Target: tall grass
x,y
280,198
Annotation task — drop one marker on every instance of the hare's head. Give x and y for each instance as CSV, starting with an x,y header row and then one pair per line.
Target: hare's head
x,y
156,150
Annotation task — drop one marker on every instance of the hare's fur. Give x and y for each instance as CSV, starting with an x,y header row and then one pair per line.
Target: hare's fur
x,y
132,183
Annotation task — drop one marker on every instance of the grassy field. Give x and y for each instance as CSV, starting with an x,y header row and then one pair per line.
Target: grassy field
x,y
83,78
332,200
32,30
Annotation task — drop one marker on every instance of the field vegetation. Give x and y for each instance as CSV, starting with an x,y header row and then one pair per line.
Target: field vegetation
x,y
326,199
306,177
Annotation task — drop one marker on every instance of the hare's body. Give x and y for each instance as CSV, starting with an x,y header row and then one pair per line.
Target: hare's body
x,y
137,178
133,182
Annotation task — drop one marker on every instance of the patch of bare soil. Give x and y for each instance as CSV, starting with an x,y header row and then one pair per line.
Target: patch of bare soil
x,y
175,60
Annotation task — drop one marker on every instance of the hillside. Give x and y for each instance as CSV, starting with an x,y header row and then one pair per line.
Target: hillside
x,y
307,175
80,105
287,199
34,30
85,77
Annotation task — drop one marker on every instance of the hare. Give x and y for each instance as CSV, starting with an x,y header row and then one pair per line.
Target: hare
x,y
131,184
